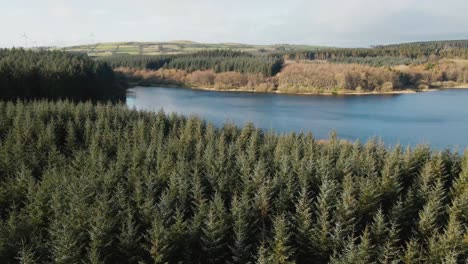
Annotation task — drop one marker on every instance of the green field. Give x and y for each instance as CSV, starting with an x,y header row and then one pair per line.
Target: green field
x,y
176,47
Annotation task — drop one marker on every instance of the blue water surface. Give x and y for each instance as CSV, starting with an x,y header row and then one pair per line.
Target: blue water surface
x,y
438,118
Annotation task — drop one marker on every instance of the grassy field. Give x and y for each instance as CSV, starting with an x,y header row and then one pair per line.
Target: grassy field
x,y
175,47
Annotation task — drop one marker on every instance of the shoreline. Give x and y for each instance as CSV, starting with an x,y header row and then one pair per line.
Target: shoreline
x,y
340,93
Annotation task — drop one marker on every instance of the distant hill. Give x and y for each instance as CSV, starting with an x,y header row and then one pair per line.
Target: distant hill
x,y
177,47
440,44
186,46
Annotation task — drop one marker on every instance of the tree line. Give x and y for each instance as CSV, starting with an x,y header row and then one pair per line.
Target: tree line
x,y
215,60
272,63
106,184
432,45
54,74
313,77
381,61
207,79
387,55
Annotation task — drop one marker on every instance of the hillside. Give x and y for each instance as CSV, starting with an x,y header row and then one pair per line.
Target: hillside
x,y
412,49
177,47
439,44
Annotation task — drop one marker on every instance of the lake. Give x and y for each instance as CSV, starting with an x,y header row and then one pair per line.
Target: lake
x,y
437,118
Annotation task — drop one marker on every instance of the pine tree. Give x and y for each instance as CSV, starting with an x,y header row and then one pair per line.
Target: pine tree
x,y
199,209
280,251
355,253
158,242
378,229
449,245
364,250
369,198
321,238
129,238
459,193
71,140
262,208
389,251
242,230
100,231
215,232
177,233
346,207
432,212
303,224
262,254
391,173
412,253
461,183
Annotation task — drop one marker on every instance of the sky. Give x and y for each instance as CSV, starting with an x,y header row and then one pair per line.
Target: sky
x,y
344,23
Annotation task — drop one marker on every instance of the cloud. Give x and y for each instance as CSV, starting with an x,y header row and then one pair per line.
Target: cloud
x,y
342,16
60,11
98,12
331,22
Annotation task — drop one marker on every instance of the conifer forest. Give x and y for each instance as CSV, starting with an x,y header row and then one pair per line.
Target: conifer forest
x,y
28,74
101,183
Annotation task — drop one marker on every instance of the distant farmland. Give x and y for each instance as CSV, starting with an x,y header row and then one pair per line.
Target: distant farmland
x,y
176,47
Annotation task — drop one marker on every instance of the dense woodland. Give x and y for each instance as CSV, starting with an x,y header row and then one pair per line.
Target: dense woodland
x,y
217,61
418,50
53,74
84,183
268,63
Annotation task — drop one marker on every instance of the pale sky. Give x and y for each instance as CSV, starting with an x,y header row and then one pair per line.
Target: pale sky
x,y
347,23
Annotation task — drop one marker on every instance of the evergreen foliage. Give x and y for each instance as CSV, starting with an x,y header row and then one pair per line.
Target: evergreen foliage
x,y
388,55
99,183
216,60
28,74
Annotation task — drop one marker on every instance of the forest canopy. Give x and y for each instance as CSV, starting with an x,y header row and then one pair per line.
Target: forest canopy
x,y
415,51
32,74
216,60
106,184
